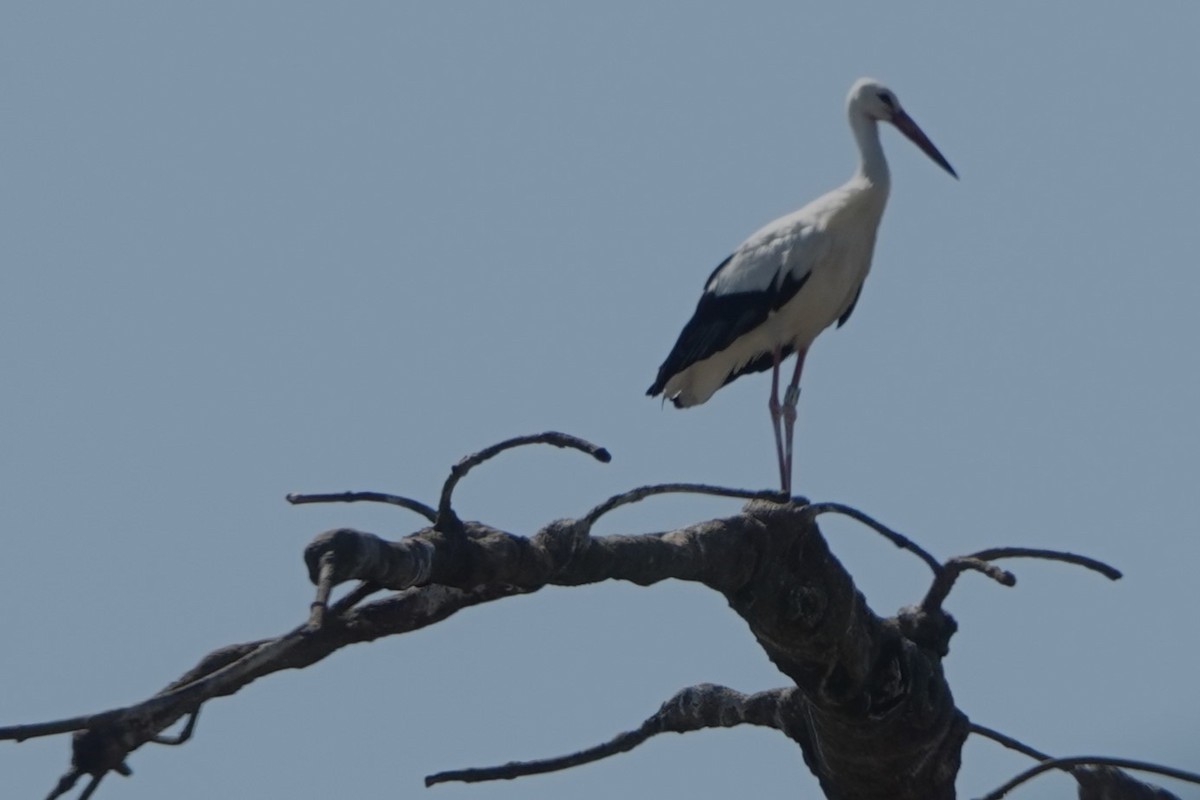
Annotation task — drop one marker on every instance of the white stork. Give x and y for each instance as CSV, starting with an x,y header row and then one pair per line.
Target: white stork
x,y
792,279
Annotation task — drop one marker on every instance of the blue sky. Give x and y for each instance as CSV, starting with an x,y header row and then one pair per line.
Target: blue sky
x,y
258,248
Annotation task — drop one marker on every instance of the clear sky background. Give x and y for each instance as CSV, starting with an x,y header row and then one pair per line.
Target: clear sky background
x,y
249,249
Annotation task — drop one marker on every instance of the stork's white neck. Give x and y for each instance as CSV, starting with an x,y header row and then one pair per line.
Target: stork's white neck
x,y
871,163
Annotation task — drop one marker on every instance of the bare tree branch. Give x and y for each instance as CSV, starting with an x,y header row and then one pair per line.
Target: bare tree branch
x,y
183,735
1008,741
898,539
869,706
66,783
770,562
90,789
691,709
642,492
425,511
1095,782
1131,790
445,514
944,580
356,596
1095,565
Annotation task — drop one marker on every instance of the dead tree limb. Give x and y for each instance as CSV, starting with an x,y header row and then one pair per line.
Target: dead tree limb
x,y
869,707
692,709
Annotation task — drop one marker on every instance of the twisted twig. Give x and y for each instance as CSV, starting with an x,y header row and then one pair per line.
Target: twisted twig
x,y
183,735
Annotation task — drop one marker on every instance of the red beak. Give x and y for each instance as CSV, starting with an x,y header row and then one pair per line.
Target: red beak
x,y
904,123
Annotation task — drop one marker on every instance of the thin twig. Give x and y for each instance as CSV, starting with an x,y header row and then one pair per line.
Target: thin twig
x,y
90,789
19,733
65,784
999,575
200,688
995,553
445,514
898,539
621,743
1091,761
1008,741
694,708
425,511
642,492
945,580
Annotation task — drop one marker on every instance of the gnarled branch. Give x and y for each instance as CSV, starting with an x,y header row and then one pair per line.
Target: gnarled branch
x,y
869,706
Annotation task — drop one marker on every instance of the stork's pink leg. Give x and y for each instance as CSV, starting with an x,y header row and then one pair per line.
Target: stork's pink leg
x,y
776,410
790,398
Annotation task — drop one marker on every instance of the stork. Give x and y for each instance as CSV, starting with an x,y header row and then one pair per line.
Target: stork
x,y
792,279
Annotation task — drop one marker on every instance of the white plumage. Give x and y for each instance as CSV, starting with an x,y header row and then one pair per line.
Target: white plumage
x,y
792,279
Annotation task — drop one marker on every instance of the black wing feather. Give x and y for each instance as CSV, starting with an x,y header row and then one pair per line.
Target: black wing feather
x,y
850,308
719,320
760,364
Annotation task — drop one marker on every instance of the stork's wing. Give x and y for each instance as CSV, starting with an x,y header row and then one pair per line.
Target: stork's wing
x,y
762,275
718,322
765,272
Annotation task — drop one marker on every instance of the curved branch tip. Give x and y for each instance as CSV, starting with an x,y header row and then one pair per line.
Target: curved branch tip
x,y
445,512
416,506
1070,763
896,538
1095,565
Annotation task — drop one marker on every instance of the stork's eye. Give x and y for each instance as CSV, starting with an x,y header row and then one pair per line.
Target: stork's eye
x,y
887,100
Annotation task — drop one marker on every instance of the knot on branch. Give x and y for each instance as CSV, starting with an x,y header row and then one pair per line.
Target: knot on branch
x,y
804,606
706,705
561,541
931,630
353,554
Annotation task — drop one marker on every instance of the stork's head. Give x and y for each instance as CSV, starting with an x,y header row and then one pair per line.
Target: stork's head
x,y
871,99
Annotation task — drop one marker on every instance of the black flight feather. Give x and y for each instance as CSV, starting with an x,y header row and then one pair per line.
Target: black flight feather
x,y
850,308
719,320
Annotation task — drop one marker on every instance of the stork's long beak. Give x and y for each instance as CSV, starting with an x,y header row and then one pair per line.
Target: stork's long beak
x,y
917,136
